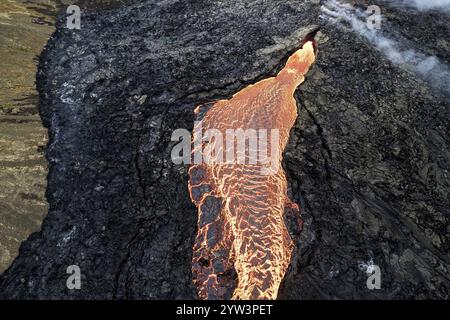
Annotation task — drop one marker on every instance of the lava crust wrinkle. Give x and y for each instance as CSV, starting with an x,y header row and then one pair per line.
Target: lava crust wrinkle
x,y
243,247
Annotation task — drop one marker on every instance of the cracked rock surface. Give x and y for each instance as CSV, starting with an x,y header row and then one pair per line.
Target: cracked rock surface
x,y
367,161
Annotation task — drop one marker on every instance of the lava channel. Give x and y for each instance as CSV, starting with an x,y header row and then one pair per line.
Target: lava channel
x,y
243,247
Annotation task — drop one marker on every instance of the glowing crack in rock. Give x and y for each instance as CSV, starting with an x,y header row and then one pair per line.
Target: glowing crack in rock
x,y
243,247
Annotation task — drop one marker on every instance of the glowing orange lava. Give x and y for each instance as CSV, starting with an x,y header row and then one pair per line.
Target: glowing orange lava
x,y
243,248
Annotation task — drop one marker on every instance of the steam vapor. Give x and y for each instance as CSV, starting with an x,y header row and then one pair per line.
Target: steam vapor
x,y
424,5
430,68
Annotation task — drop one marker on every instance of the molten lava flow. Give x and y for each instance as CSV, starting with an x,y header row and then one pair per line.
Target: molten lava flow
x,y
243,248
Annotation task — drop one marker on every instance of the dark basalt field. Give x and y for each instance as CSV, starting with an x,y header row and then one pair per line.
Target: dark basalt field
x,y
368,159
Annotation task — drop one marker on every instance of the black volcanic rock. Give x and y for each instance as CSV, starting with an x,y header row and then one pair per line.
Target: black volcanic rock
x,y
368,159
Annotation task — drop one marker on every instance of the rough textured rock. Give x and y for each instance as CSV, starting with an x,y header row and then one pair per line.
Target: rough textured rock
x,y
368,158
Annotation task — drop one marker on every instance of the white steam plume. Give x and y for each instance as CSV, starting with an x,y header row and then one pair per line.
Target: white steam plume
x,y
430,68
424,5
